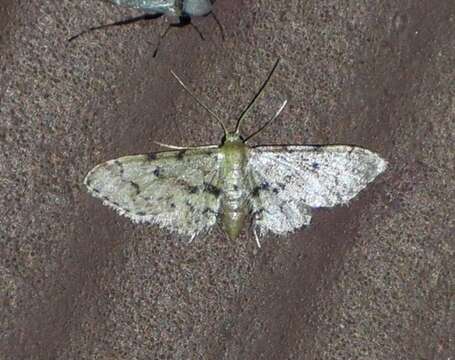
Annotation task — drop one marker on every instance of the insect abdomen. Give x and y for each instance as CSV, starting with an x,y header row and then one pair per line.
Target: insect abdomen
x,y
197,7
233,206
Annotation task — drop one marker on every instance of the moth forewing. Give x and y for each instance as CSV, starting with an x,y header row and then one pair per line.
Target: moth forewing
x,y
171,189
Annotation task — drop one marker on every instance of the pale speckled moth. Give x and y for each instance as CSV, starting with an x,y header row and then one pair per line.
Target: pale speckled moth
x,y
183,10
189,189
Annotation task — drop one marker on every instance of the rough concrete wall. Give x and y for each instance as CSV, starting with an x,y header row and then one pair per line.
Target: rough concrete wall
x,y
373,280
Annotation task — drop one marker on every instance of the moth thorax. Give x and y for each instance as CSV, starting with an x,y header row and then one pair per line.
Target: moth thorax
x,y
197,7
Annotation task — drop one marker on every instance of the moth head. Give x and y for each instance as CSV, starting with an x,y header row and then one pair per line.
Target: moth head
x,y
232,138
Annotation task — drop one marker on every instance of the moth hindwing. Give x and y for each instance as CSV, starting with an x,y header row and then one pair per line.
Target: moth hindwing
x,y
188,190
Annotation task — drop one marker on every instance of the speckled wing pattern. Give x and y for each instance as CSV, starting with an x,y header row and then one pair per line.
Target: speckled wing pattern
x,y
289,180
149,6
173,189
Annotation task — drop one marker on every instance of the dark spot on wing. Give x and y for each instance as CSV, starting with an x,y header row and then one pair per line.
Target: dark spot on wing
x,y
95,190
317,148
120,167
140,213
190,206
264,186
212,189
151,156
115,203
181,154
193,189
136,187
172,205
208,210
235,187
315,165
157,172
281,186
276,190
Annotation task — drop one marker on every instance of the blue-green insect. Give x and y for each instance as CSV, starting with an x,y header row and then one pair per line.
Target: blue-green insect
x,y
182,10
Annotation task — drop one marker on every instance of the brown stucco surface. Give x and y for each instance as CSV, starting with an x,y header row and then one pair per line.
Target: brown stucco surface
x,y
372,280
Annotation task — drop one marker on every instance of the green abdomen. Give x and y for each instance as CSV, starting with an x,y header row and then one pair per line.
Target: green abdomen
x,y
234,207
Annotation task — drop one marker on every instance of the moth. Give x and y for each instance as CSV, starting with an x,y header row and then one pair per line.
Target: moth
x,y
187,190
183,10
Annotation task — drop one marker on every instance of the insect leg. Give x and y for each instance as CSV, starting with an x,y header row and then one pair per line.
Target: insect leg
x,y
256,237
118,23
256,216
219,25
186,147
192,238
184,20
161,38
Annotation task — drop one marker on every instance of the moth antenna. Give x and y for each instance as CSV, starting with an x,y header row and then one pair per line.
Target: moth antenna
x,y
117,23
252,102
200,102
268,122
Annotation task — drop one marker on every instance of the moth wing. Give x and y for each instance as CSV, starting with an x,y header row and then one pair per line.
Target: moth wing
x,y
289,180
173,189
149,6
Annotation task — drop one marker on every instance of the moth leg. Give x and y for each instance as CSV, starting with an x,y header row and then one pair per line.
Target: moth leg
x,y
185,147
257,215
256,237
223,37
192,238
118,23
